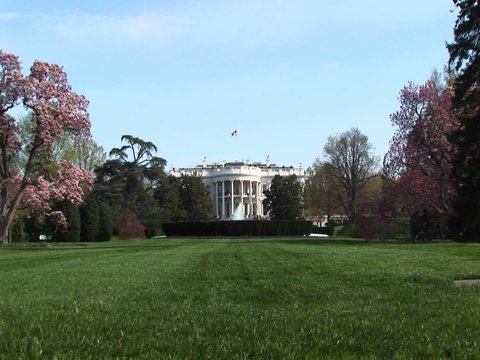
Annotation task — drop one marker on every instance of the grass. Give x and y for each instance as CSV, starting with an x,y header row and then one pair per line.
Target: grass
x,y
239,299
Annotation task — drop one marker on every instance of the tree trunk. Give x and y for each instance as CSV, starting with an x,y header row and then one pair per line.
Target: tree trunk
x,y
8,216
5,231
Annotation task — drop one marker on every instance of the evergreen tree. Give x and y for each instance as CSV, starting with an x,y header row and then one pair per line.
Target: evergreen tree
x,y
72,214
465,57
167,195
130,179
90,221
105,222
284,199
194,199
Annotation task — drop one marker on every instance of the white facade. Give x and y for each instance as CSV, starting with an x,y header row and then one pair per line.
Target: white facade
x,y
236,188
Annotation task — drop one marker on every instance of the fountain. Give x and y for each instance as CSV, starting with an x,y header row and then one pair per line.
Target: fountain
x,y
238,214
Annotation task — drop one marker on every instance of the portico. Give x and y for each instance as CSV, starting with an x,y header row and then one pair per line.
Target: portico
x,y
236,189
228,195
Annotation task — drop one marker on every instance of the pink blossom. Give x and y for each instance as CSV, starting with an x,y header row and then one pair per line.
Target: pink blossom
x,y
419,160
57,110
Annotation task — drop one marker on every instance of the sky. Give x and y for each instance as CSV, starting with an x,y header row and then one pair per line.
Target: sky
x,y
185,74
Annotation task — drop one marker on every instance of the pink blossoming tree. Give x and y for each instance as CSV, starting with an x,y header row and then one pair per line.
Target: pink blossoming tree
x,y
418,166
56,110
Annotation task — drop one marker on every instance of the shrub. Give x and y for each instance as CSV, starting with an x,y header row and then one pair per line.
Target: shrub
x,y
239,228
72,233
129,227
90,221
105,226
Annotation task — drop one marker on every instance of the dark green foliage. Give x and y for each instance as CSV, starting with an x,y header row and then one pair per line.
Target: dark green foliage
x,y
239,228
18,232
167,194
427,225
465,57
90,221
131,180
34,227
105,226
284,199
378,228
72,233
194,199
129,226
153,232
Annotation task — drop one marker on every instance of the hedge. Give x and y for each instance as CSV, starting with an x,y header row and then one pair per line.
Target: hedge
x,y
239,228
153,232
326,230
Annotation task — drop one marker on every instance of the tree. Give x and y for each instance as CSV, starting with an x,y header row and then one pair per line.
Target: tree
x,y
320,196
284,199
167,195
105,223
83,152
194,199
72,215
350,161
418,164
129,180
465,58
57,110
90,218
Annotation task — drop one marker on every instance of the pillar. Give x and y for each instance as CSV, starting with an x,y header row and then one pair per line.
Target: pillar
x,y
250,200
223,199
232,202
241,199
259,199
216,199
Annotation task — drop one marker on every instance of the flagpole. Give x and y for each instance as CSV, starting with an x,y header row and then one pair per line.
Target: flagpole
x,y
235,133
236,145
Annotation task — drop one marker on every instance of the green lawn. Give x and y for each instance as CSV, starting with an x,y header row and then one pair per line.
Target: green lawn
x,y
239,299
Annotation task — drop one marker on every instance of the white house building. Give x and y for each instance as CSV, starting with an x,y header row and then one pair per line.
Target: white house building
x,y
236,188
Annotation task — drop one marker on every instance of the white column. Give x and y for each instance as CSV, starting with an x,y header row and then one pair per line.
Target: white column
x,y
223,199
232,205
241,199
216,199
259,199
250,201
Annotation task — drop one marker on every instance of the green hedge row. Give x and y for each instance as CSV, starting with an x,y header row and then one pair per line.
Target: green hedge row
x,y
326,230
152,232
239,228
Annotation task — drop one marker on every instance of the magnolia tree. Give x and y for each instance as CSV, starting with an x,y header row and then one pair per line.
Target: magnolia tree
x,y
56,110
417,168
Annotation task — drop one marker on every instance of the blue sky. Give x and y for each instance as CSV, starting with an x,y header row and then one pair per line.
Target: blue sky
x,y
285,73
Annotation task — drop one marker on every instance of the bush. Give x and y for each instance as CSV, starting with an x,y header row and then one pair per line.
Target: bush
x,y
382,228
427,225
72,233
90,221
239,228
105,226
129,226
